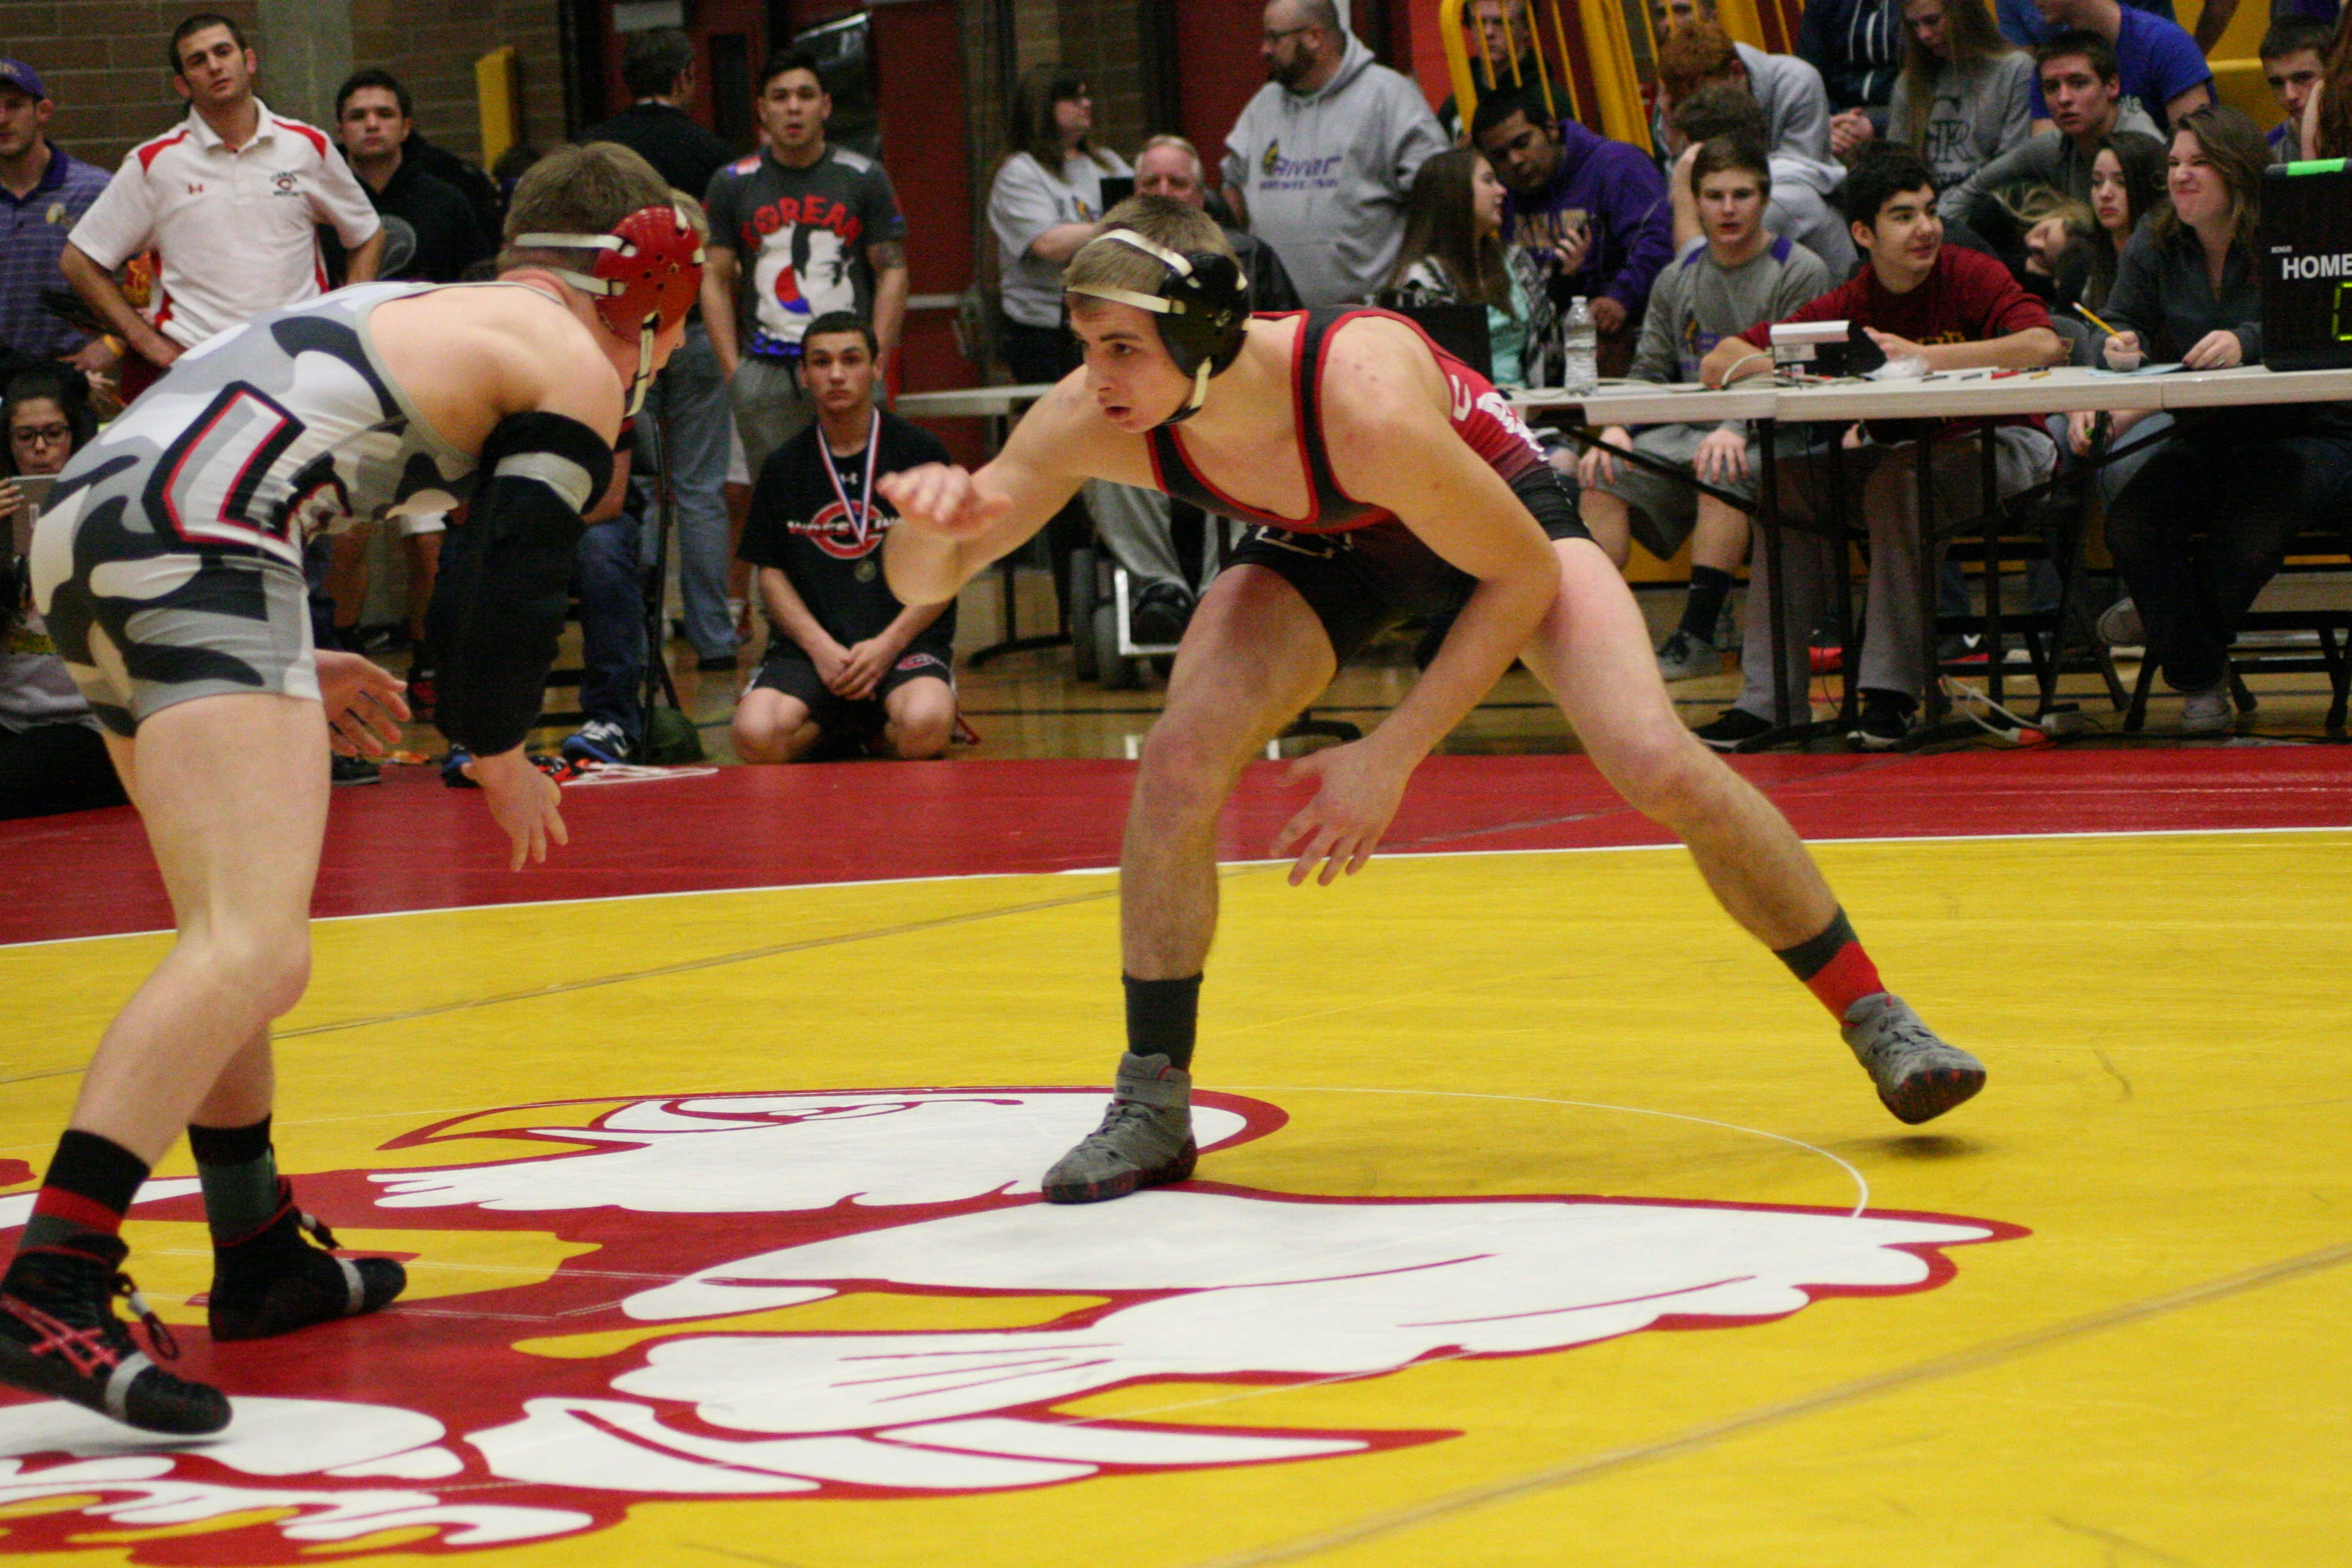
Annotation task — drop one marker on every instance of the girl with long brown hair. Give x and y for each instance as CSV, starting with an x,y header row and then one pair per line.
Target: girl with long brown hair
x,y
1453,253
1965,96
2195,541
1045,203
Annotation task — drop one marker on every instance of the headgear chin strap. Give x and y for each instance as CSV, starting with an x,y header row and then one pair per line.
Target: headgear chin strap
x,y
646,274
1203,308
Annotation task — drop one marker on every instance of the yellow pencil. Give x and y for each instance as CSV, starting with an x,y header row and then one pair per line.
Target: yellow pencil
x,y
2085,310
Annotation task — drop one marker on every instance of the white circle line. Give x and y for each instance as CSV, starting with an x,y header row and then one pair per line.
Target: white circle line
x,y
1862,1186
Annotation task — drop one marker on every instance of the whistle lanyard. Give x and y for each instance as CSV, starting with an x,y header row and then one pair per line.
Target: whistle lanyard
x,y
864,509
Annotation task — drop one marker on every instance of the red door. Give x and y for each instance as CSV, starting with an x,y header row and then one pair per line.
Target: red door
x,y
1217,70
730,41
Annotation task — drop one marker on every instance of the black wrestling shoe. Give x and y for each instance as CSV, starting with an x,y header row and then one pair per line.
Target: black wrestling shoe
x,y
274,1281
1733,728
1159,615
1884,720
59,1337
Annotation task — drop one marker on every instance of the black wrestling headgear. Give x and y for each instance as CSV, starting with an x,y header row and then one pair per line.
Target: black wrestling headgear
x,y
1202,304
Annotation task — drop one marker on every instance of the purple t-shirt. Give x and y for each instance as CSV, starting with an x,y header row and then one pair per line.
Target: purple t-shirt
x,y
2157,60
32,236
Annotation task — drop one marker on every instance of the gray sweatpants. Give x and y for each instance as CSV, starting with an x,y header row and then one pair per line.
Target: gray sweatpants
x,y
1883,483
771,406
691,397
1133,526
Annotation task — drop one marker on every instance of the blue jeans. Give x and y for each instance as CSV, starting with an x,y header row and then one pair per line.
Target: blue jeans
x,y
689,400
609,576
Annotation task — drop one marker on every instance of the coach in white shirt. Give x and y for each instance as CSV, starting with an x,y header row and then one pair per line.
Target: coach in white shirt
x,y
229,200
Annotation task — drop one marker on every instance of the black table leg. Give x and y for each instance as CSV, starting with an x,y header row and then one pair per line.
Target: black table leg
x,y
1789,726
1988,471
1925,473
1767,515
1007,570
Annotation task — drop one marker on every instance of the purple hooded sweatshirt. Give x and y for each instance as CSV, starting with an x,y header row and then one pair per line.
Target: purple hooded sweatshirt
x,y
1625,196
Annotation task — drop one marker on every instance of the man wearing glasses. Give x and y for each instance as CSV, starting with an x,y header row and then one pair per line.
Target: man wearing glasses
x,y
1319,163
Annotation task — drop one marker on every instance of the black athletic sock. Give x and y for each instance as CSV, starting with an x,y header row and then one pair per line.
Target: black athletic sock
x,y
89,1189
1710,587
1161,1017
239,1172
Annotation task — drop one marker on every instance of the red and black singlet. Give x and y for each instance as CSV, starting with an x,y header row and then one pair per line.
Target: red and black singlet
x,y
1482,416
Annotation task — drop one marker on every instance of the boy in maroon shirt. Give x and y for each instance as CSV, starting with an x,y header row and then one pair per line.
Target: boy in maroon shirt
x,y
1956,310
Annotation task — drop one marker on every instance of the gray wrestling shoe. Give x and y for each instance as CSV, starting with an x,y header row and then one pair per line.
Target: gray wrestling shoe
x,y
1683,657
1145,1139
1920,1076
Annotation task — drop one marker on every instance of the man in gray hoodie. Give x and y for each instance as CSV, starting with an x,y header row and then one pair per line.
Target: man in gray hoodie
x,y
2081,85
1319,161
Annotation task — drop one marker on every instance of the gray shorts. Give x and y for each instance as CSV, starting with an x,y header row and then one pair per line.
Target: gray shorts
x,y
770,406
1660,512
144,622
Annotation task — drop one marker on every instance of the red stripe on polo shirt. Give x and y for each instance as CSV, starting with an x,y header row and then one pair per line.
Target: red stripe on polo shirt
x,y
148,151
315,137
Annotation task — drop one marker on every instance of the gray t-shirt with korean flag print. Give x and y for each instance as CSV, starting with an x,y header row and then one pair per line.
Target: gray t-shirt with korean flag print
x,y
800,238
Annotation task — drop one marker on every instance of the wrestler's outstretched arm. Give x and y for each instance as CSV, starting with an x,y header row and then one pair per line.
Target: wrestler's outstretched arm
x,y
1387,415
952,523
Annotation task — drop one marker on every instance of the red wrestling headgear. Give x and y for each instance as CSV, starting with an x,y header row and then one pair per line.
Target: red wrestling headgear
x,y
646,274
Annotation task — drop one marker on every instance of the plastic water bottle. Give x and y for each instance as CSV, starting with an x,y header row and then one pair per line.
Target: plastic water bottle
x,y
1580,371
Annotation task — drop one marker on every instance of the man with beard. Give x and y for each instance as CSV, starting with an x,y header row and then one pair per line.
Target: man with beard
x,y
1588,215
1319,161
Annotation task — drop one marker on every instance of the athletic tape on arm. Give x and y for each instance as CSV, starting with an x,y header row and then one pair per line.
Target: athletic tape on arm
x,y
506,577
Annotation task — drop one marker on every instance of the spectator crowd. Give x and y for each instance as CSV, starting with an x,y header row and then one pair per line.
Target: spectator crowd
x,y
1955,176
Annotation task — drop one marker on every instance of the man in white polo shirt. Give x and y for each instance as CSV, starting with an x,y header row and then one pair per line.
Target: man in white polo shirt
x,y
229,199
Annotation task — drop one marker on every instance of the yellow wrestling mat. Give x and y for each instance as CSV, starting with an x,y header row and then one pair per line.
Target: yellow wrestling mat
x,y
1547,1222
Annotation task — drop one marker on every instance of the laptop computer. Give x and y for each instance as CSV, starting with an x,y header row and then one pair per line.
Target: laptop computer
x,y
2305,250
1460,330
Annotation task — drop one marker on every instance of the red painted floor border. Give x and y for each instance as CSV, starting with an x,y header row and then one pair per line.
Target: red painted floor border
x,y
411,844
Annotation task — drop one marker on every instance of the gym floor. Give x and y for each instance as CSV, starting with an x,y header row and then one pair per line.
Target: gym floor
x,y
1541,1219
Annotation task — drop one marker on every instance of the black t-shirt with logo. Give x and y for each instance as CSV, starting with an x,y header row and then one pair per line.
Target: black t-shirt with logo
x,y
799,526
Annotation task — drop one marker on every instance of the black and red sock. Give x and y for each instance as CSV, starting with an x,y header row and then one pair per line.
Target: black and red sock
x,y
89,1187
1833,967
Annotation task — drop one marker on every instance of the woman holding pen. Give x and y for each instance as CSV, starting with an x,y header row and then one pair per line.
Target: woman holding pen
x,y
2195,544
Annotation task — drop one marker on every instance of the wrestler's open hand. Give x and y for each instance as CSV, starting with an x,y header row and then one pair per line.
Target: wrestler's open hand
x,y
943,498
365,703
1358,791
522,800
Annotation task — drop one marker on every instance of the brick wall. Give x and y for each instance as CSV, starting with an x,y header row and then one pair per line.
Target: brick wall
x,y
432,44
1103,42
102,60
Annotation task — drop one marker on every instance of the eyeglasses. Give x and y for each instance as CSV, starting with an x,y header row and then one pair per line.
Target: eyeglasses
x,y
1272,37
42,434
